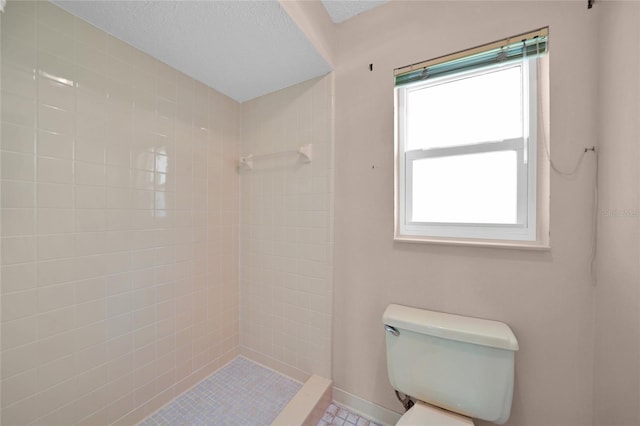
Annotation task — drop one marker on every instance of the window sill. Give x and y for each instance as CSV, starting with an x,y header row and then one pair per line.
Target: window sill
x,y
504,244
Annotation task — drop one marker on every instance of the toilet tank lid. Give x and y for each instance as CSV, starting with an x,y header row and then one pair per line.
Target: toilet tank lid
x,y
448,326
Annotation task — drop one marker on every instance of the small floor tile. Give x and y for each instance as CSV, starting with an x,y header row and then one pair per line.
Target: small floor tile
x,y
337,415
240,393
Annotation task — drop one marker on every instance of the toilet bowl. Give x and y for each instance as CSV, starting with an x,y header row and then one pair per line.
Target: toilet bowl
x,y
422,414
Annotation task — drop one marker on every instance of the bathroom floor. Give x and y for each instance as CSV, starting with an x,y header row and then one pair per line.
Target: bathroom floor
x,y
240,393
337,415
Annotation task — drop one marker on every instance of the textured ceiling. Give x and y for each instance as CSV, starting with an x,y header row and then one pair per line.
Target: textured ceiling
x,y
341,10
243,49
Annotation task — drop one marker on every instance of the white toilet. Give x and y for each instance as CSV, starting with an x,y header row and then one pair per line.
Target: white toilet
x,y
453,367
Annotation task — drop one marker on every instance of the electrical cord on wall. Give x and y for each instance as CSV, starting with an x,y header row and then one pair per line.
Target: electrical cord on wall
x,y
570,174
596,208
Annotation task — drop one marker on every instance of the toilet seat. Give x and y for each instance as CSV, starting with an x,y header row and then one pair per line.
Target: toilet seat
x,y
422,414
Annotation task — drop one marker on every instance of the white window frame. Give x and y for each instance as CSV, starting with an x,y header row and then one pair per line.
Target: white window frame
x,y
526,148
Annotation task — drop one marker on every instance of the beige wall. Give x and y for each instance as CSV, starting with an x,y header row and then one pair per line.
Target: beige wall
x,y
119,225
617,350
286,231
545,296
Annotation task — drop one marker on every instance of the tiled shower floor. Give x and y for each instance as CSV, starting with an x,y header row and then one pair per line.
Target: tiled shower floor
x,y
240,393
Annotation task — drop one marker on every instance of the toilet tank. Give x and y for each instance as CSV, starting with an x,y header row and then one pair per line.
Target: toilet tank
x,y
462,364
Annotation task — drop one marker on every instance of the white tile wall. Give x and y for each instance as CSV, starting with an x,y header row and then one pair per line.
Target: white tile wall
x,y
286,228
119,224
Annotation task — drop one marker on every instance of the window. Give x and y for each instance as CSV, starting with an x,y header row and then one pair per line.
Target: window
x,y
467,147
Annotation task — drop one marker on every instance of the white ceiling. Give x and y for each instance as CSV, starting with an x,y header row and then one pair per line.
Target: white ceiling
x,y
341,10
243,49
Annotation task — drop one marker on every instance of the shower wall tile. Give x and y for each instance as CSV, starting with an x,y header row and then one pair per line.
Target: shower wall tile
x,y
119,224
286,219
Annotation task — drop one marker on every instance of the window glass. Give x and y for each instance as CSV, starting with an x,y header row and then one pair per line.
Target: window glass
x,y
473,188
466,110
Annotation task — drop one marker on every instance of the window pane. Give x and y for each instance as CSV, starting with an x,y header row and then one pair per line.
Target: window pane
x,y
473,188
484,108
